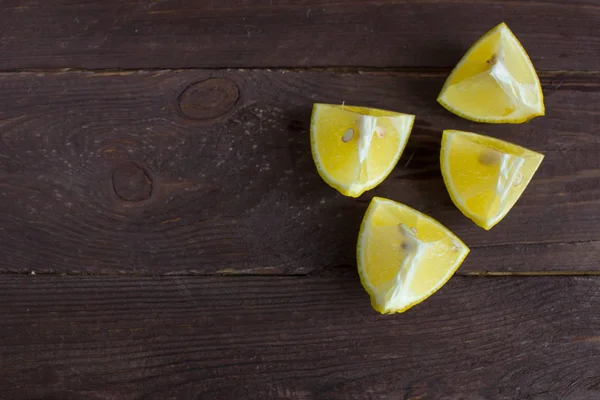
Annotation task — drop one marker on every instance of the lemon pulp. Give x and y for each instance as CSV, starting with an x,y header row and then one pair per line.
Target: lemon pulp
x,y
404,256
356,148
494,82
485,176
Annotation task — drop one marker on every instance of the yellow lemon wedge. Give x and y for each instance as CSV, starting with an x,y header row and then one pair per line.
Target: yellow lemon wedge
x,y
485,176
356,148
494,82
404,256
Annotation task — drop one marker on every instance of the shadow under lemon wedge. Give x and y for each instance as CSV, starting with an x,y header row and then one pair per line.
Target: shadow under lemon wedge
x,y
404,256
485,176
356,148
494,82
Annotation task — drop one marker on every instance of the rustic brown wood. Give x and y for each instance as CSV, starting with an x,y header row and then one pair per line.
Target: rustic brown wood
x,y
289,33
295,338
534,258
163,173
131,183
208,99
119,173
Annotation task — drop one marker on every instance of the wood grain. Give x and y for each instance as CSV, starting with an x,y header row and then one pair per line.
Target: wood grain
x,y
104,173
268,33
168,166
295,338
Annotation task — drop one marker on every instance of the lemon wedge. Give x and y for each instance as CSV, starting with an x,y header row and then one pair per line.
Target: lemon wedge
x,y
404,256
356,148
485,176
494,82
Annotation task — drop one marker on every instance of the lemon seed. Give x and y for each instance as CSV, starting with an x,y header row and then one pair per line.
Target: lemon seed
x,y
489,157
348,135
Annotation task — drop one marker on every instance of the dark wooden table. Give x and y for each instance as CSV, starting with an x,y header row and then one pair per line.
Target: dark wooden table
x,y
164,233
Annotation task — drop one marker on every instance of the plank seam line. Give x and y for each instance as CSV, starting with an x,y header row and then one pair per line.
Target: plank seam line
x,y
148,275
383,3
127,71
335,6
316,274
531,244
491,274
337,69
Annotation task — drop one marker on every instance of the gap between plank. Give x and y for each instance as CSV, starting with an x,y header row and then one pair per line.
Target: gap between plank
x,y
527,273
130,71
349,70
330,272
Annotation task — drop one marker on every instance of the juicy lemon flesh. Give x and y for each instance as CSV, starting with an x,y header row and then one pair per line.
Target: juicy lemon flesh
x,y
494,82
485,176
356,148
404,256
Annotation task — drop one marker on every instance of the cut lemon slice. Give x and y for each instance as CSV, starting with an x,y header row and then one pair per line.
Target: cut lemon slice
x,y
485,176
356,148
494,82
404,256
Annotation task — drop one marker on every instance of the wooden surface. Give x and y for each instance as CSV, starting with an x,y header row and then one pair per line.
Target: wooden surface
x,y
123,173
295,338
149,150
287,33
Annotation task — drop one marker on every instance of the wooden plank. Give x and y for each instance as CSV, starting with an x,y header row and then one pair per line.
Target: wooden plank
x,y
200,172
534,258
295,338
317,33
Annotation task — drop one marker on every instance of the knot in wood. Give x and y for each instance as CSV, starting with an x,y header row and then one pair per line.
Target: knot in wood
x,y
209,99
131,182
